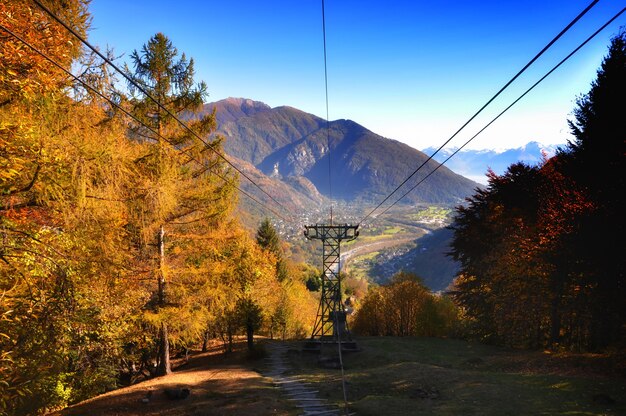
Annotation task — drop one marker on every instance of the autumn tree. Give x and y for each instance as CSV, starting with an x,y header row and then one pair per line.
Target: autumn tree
x,y
494,241
404,307
541,247
23,72
64,258
181,192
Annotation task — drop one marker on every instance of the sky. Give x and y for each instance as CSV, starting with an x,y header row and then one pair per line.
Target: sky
x,y
412,71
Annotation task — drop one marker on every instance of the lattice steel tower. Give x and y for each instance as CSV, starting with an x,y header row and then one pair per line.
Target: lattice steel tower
x,y
330,324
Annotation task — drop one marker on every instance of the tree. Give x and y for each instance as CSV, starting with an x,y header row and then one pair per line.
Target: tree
x,y
180,190
64,260
267,238
23,72
596,162
404,307
250,315
541,247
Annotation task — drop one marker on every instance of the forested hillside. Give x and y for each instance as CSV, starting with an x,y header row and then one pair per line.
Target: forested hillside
x,y
119,247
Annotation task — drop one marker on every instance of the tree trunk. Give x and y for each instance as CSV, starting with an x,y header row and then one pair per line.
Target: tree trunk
x,y
164,344
230,339
205,341
161,275
272,328
250,334
555,315
164,353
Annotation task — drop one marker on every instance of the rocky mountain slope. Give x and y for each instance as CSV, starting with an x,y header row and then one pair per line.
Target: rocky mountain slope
x,y
291,146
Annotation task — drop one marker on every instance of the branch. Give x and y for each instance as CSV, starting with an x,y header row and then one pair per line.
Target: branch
x,y
30,203
30,184
30,289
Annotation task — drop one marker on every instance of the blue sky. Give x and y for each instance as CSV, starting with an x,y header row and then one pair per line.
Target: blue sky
x,y
409,70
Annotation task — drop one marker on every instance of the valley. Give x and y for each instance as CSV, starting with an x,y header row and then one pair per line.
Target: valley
x,y
291,155
410,238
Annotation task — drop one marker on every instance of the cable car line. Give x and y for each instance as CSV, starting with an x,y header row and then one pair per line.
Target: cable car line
x,y
126,112
521,71
140,88
507,108
330,184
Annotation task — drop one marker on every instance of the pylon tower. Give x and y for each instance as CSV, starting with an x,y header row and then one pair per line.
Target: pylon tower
x,y
330,323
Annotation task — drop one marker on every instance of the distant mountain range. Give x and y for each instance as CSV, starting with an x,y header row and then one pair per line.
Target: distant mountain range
x,y
288,150
473,164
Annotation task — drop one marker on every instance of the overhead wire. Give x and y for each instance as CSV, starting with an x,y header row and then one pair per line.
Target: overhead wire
x,y
520,72
161,106
330,183
123,110
511,105
330,191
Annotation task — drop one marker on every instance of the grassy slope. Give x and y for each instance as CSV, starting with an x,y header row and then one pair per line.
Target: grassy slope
x,y
391,376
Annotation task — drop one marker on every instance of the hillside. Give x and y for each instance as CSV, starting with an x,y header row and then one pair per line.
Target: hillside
x,y
425,256
292,146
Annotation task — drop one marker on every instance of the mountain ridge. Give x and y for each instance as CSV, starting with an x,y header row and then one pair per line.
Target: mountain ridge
x,y
288,144
474,164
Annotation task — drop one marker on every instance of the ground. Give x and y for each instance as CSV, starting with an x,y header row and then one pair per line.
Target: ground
x,y
220,385
390,376
425,376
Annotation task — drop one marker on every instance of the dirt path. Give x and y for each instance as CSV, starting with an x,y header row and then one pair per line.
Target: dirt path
x,y
219,385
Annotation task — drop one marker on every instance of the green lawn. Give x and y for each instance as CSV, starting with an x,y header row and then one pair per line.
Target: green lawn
x,y
424,376
431,212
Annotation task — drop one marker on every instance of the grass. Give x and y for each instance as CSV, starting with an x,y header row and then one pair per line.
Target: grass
x,y
359,266
365,257
430,213
424,376
393,230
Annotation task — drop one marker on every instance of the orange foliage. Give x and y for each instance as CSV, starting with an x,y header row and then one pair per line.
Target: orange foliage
x,y
23,72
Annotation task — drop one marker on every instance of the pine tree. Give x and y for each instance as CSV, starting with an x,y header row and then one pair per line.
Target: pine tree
x,y
267,238
597,162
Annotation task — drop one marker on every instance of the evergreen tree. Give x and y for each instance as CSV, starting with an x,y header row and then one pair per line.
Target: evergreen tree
x,y
267,238
597,162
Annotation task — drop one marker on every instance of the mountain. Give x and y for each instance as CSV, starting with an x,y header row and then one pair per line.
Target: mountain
x,y
291,146
473,164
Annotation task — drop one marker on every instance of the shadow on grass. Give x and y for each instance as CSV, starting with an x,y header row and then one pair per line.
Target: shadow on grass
x,y
422,376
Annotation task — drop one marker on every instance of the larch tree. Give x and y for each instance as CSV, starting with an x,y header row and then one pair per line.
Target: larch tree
x,y
181,187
